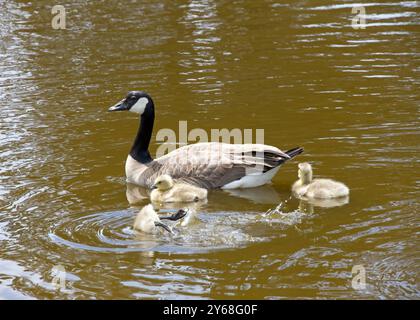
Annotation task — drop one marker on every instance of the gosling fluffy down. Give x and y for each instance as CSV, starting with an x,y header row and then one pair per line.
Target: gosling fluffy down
x,y
148,221
166,190
317,188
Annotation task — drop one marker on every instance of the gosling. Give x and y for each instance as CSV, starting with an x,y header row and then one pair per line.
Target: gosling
x,y
165,189
148,221
317,188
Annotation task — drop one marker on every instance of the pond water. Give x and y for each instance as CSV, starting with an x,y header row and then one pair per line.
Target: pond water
x,y
296,69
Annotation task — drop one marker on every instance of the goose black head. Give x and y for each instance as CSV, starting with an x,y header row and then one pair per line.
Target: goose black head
x,y
135,101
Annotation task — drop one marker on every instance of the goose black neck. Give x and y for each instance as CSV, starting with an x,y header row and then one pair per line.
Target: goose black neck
x,y
140,149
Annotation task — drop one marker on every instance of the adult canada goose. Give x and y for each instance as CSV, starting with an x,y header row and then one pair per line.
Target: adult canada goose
x,y
208,165
317,188
165,189
148,221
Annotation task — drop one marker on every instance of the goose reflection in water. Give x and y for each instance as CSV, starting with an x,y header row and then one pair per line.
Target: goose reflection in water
x,y
307,204
263,195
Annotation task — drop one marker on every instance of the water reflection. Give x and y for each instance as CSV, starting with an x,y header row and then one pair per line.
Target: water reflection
x,y
136,195
324,203
296,69
264,194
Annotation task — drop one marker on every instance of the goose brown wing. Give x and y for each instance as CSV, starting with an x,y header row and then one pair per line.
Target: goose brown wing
x,y
213,165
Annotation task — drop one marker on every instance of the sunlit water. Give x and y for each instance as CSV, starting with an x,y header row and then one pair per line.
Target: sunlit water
x,y
296,69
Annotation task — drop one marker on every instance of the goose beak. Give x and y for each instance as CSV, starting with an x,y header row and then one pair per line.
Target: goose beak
x,y
119,106
153,187
164,226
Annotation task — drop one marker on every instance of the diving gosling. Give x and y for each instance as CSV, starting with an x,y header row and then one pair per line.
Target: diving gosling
x,y
317,188
165,189
148,221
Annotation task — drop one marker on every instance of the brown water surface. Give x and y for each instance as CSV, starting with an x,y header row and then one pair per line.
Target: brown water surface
x,y
296,69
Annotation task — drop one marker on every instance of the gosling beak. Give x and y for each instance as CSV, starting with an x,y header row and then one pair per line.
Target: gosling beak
x,y
153,187
119,106
176,216
164,226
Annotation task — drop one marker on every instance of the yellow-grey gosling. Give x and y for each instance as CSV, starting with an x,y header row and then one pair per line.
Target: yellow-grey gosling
x,y
148,221
317,188
165,189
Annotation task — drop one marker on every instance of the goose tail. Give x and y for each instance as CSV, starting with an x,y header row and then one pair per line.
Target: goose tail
x,y
294,152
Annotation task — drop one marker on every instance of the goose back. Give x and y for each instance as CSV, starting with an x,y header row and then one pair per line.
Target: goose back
x,y
208,165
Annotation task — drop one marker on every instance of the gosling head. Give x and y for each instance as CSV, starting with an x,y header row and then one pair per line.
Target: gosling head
x,y
305,172
163,183
135,101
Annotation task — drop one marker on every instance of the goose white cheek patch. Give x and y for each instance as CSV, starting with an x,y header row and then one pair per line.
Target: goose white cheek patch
x,y
139,106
